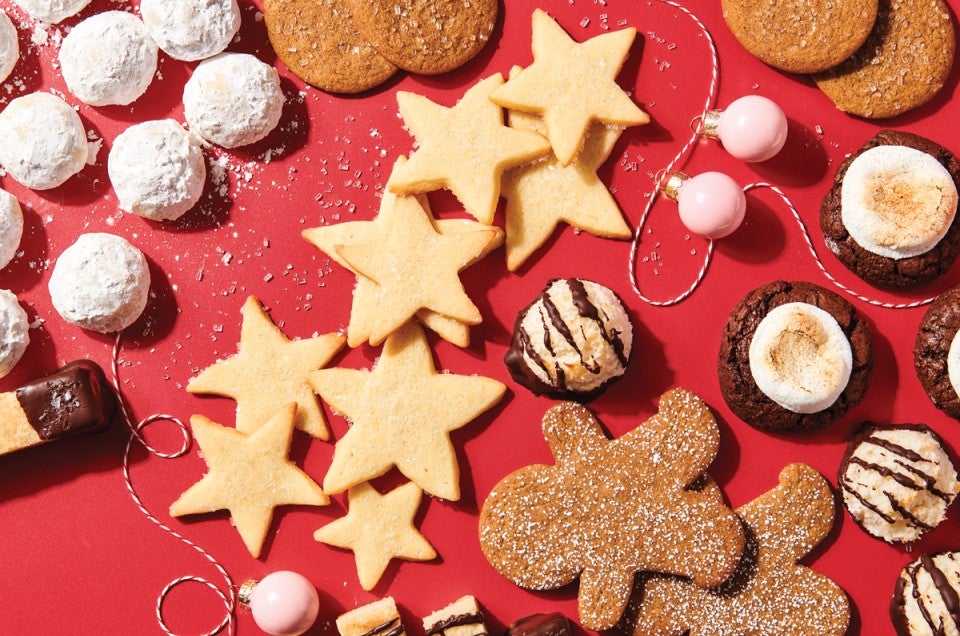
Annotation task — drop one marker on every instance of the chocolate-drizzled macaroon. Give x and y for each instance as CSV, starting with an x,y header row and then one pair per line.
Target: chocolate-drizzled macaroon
x,y
572,341
926,599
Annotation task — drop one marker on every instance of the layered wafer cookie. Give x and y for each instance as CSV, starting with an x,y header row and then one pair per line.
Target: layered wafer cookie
x,y
379,618
463,617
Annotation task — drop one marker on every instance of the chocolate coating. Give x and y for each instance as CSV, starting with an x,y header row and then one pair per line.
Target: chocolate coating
x,y
540,625
907,591
74,399
937,329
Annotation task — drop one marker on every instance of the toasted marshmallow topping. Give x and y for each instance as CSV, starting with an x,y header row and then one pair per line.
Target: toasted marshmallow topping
x,y
897,201
800,358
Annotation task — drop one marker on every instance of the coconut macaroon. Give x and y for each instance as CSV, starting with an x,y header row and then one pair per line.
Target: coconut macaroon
x,y
52,11
42,141
100,283
233,100
9,46
191,30
925,597
157,170
108,59
14,332
11,227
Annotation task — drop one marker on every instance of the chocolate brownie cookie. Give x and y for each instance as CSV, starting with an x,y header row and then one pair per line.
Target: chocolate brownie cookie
x,y
890,216
794,356
936,353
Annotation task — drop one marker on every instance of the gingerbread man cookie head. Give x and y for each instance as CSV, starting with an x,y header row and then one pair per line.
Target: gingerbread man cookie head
x,y
611,508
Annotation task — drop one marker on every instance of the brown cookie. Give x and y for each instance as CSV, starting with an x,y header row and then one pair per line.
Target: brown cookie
x,y
320,44
878,269
903,64
426,37
938,329
737,377
800,36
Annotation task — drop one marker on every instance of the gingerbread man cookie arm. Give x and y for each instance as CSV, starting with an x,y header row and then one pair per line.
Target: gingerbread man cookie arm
x,y
572,432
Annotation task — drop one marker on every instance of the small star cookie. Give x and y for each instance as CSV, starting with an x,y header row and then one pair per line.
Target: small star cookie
x,y
572,84
465,148
249,475
402,412
268,372
379,528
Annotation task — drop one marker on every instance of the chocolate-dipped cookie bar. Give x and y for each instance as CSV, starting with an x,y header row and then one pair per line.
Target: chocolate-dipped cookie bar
x,y
379,618
463,617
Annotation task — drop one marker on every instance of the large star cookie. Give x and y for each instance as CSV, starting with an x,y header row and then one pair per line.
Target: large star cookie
x,y
402,412
268,372
249,475
572,85
611,508
465,148
769,594
379,528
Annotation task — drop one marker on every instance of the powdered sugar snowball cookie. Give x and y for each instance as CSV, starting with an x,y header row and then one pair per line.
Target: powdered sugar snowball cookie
x,y
157,170
108,59
9,46
14,332
11,227
191,30
100,283
233,99
52,11
42,141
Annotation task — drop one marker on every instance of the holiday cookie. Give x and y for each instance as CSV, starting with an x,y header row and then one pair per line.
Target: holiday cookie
x,y
191,30
611,508
402,412
14,331
379,618
571,85
11,227
553,624
897,481
572,341
794,356
268,372
426,37
52,11
464,148
9,46
903,64
249,475
891,215
801,36
926,598
377,529
320,44
463,617
770,594
936,352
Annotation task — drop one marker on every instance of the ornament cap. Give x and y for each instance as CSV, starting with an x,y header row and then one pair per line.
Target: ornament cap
x,y
243,593
671,187
711,124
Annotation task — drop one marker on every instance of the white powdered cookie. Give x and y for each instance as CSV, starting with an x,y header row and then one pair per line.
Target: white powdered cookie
x,y
157,170
897,201
800,357
191,30
233,100
11,227
108,59
9,46
101,283
42,141
52,11
14,332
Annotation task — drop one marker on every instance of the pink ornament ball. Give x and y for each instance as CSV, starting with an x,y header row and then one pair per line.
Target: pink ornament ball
x,y
711,204
752,128
284,603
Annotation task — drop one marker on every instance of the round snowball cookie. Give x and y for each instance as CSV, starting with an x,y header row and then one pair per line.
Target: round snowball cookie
x,y
100,283
52,11
9,46
108,59
233,100
191,30
42,141
14,332
11,227
157,170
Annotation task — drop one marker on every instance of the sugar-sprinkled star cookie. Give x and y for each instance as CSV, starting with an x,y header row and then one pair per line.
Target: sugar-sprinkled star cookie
x,y
249,475
379,528
572,84
402,412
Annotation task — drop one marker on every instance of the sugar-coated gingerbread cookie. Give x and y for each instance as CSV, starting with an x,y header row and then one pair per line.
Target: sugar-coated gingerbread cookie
x,y
936,352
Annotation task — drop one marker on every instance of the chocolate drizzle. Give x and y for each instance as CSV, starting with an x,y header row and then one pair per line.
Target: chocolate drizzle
x,y
456,620
74,399
947,594
393,627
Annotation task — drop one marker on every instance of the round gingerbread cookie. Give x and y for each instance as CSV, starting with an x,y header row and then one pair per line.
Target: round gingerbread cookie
x,y
904,63
936,352
426,37
801,36
320,44
794,356
890,216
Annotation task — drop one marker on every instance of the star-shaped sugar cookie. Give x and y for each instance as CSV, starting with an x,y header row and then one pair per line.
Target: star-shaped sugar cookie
x,y
270,371
249,475
572,84
465,148
402,412
379,528
544,194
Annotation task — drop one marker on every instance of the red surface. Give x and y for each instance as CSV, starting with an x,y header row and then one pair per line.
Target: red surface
x,y
80,558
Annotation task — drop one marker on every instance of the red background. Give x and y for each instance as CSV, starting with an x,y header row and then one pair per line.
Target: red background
x,y
80,558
